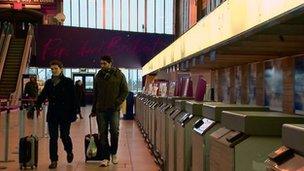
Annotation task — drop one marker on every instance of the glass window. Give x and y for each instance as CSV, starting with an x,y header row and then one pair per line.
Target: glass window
x,y
89,82
125,72
32,70
185,13
139,80
67,12
91,13
218,2
67,72
132,84
133,15
108,14
116,14
125,15
150,16
75,70
76,78
84,13
141,16
48,73
75,13
169,16
160,18
41,74
99,13
92,70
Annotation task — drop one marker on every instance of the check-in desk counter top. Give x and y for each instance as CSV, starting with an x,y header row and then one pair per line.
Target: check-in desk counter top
x,y
258,123
247,138
213,110
184,125
290,156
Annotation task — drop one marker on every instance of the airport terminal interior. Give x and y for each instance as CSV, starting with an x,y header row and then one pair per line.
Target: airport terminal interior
x,y
213,85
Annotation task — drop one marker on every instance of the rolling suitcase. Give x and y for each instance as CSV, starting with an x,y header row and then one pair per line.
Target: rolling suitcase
x,y
97,142
28,152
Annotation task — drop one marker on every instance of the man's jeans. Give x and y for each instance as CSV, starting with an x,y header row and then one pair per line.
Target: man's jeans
x,y
104,120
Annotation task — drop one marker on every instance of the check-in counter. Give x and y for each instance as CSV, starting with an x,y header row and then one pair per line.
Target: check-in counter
x,y
290,156
151,119
168,130
163,106
246,139
184,124
207,124
139,109
144,114
147,109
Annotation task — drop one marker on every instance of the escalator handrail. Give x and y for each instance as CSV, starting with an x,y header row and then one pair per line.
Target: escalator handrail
x,y
6,43
24,64
3,33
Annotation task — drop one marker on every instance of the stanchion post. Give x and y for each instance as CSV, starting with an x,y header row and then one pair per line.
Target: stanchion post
x,y
43,115
6,135
35,122
2,107
21,121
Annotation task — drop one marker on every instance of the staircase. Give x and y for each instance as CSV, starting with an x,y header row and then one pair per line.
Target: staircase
x,y
11,68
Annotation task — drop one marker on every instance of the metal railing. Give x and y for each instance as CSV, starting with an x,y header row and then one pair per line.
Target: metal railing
x,y
38,126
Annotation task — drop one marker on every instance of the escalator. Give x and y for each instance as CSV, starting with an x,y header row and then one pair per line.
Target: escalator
x,y
11,67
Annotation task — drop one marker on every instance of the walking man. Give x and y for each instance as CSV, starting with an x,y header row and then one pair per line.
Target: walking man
x,y
109,91
60,92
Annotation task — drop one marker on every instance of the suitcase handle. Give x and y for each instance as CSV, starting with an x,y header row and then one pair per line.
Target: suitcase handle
x,y
90,118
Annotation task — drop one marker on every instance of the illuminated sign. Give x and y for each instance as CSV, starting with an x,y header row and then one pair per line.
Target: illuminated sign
x,y
33,2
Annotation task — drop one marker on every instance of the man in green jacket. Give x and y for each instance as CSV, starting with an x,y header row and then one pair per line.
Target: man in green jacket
x,y
110,90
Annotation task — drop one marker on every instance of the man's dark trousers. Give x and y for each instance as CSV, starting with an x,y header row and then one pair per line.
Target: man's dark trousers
x,y
64,135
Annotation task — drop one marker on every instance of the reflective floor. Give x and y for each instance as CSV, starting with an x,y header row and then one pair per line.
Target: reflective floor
x,y
133,153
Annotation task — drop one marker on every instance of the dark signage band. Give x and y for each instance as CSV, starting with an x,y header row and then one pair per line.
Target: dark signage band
x,y
32,2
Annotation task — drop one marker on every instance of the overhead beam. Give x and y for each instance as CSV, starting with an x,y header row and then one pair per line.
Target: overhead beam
x,y
285,29
234,19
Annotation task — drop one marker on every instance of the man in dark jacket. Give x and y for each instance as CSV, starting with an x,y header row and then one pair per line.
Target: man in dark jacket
x,y
31,93
110,90
31,88
60,92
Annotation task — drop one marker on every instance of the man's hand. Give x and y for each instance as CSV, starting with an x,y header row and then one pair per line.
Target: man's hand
x,y
92,115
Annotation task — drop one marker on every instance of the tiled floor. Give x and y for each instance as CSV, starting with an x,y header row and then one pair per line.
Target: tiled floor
x,y
132,153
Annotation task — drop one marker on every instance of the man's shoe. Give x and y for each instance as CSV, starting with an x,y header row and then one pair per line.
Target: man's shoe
x,y
53,165
70,157
104,163
114,159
